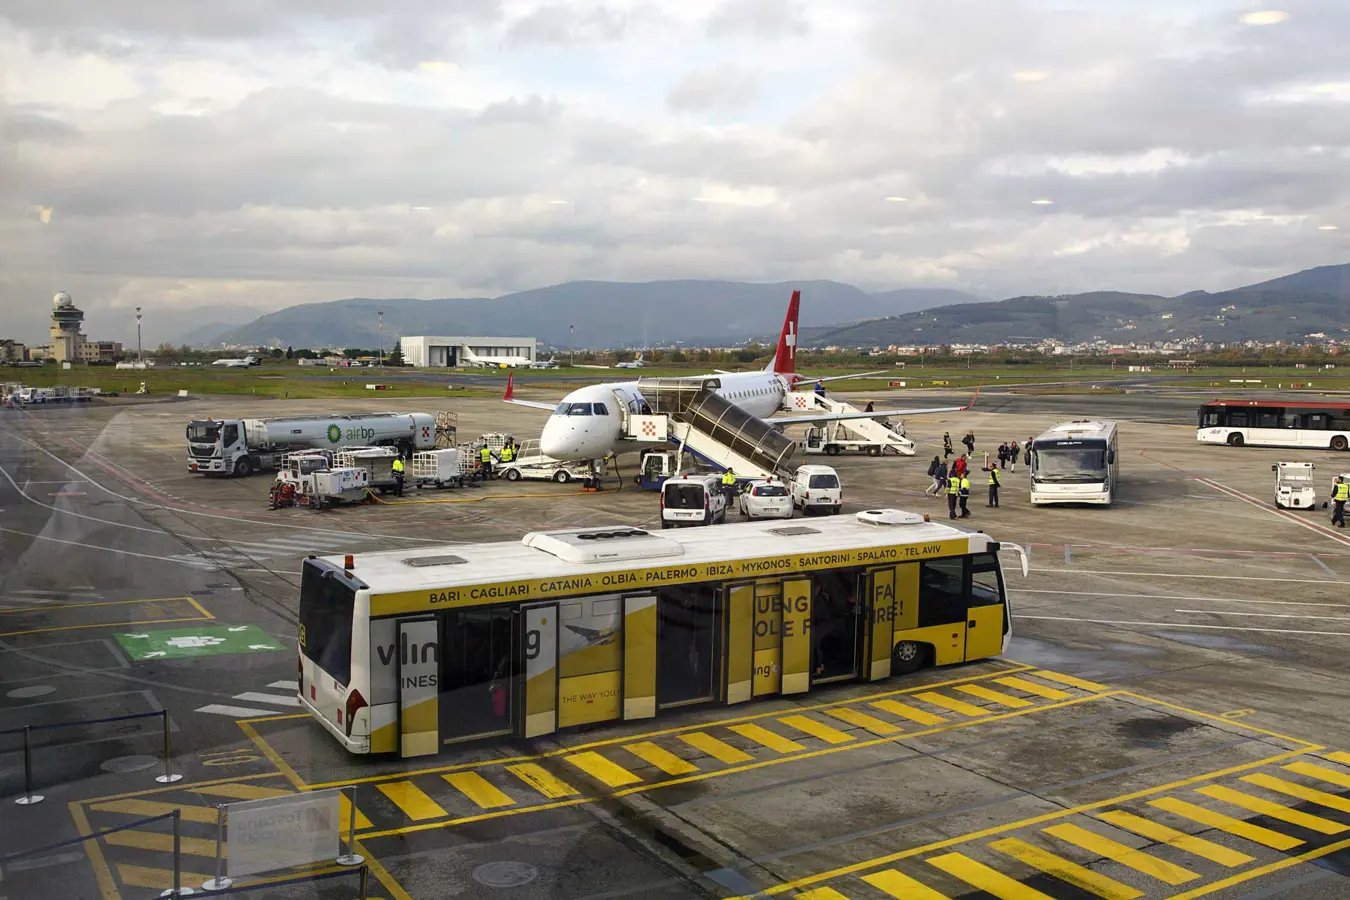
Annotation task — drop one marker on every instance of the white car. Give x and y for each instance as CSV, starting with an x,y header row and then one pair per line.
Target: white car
x,y
765,499
692,499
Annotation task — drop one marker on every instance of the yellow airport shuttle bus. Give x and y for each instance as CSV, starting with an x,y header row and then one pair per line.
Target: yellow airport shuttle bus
x,y
409,651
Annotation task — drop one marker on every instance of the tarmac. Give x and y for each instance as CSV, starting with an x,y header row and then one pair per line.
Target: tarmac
x,y
1170,721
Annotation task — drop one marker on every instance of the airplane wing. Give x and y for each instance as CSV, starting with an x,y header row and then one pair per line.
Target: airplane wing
x,y
510,396
842,377
814,418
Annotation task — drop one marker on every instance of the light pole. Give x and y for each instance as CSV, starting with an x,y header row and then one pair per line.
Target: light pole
x,y
140,357
380,316
571,347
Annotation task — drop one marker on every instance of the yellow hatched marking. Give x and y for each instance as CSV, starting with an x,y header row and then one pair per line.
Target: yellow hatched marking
x,y
958,706
346,813
1032,687
986,879
1339,757
1321,773
1188,843
159,879
1246,830
412,800
1312,795
1127,856
543,781
718,750
478,789
863,720
601,769
824,893
766,737
660,757
906,711
1071,681
1065,870
984,693
1274,810
206,814
238,791
900,885
817,729
154,840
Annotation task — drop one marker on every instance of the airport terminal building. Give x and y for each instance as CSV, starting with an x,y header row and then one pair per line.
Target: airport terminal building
x,y
435,352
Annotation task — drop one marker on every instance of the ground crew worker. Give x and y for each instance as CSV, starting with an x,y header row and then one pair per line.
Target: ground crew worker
x,y
964,496
953,492
1340,492
994,482
820,389
508,452
729,485
484,462
397,468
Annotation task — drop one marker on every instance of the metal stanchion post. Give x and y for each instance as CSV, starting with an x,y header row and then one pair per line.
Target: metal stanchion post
x,y
177,890
220,882
365,881
28,798
350,858
168,777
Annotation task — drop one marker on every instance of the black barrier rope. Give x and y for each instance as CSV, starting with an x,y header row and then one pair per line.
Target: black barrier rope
x,y
88,837
103,721
299,879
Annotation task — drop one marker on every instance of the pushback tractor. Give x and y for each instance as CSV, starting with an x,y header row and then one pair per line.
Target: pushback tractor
x,y
407,652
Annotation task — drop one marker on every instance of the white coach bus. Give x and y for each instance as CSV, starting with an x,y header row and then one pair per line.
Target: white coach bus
x,y
1075,462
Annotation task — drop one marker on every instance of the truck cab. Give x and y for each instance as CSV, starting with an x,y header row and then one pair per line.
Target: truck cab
x,y
217,447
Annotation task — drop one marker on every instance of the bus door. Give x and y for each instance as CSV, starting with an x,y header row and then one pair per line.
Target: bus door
x,y
419,675
688,644
639,656
986,618
839,614
535,698
477,666
881,614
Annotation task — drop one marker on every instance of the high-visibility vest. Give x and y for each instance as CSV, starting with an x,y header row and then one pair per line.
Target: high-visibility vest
x,y
965,485
993,477
1342,492
485,455
728,478
954,486
508,453
398,467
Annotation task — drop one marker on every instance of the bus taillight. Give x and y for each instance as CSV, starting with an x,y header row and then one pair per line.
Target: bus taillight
x,y
300,682
355,703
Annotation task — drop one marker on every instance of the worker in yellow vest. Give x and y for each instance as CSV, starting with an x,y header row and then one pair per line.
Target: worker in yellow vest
x,y
484,462
508,452
729,485
994,483
397,468
964,495
953,494
1340,492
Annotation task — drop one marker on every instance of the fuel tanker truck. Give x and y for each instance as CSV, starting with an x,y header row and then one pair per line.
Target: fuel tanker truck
x,y
240,447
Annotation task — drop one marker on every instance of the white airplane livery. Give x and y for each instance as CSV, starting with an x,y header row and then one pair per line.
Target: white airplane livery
x,y
498,362
636,363
237,363
587,423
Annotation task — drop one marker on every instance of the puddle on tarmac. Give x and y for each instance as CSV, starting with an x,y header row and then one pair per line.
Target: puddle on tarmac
x,y
1218,642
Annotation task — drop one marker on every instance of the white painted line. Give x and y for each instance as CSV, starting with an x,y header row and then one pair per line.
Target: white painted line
x,y
1174,597
255,697
1186,575
235,712
1182,625
171,559
286,685
1211,612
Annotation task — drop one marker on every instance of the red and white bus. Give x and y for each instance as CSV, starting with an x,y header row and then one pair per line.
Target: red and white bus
x,y
1275,423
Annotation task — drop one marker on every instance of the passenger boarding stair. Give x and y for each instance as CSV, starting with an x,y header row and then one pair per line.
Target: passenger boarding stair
x,y
874,431
714,429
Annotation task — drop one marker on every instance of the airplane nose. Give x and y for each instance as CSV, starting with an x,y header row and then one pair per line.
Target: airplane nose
x,y
553,439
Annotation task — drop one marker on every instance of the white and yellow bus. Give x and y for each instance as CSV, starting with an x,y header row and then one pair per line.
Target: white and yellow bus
x,y
408,651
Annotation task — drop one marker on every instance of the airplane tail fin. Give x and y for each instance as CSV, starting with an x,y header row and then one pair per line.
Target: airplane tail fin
x,y
510,386
785,359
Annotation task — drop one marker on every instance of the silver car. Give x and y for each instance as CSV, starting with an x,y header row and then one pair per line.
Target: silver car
x,y
765,499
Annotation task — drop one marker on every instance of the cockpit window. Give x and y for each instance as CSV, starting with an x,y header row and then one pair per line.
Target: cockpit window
x,y
600,409
562,409
580,409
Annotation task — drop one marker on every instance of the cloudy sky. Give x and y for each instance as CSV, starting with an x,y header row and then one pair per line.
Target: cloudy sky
x,y
230,156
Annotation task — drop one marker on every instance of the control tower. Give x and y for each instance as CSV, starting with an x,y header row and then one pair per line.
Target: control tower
x,y
66,322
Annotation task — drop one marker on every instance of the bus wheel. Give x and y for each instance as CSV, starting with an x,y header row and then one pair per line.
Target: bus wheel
x,y
1235,440
908,656
1339,442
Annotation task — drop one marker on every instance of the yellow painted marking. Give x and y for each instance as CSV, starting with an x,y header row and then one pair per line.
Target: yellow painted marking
x,y
412,800
206,814
158,879
1215,886
1188,843
543,781
766,737
660,757
824,893
1032,687
906,711
1071,681
718,750
601,769
900,885
235,791
1312,795
1321,773
817,729
1065,870
1339,757
345,811
1246,830
986,879
160,841
984,693
958,706
1127,856
1274,810
478,789
863,720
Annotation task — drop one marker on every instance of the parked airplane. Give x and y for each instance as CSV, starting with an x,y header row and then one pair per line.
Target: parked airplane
x,y
237,363
497,362
585,425
549,363
635,364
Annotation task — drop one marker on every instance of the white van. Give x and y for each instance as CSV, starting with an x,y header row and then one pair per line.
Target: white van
x,y
816,488
692,500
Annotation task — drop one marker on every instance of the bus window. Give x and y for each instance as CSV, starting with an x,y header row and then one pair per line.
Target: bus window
x,y
1209,418
686,628
942,591
326,606
984,589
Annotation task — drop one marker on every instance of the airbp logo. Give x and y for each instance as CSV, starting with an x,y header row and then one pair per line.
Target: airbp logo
x,y
334,434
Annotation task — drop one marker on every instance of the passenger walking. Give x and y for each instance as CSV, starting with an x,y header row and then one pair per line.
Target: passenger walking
x,y
969,441
820,388
946,444
960,465
869,407
964,496
994,482
1014,451
940,478
953,492
1027,458
397,468
1002,456
1340,493
933,474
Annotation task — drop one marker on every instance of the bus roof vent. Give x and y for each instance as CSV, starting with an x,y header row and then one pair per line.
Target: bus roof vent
x,y
889,517
597,545
791,530
424,561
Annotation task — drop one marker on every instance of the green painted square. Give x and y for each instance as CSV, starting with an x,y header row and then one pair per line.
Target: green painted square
x,y
203,640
